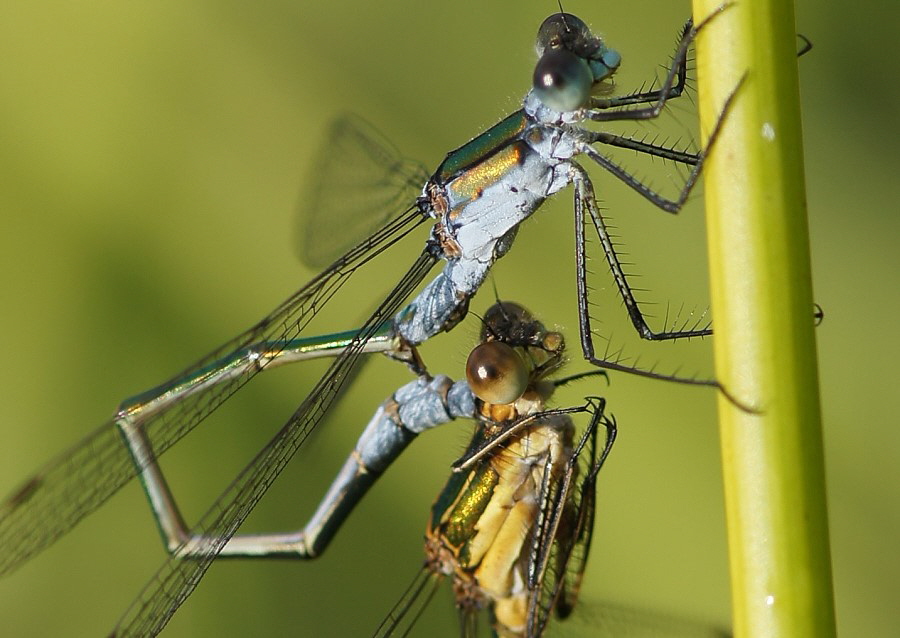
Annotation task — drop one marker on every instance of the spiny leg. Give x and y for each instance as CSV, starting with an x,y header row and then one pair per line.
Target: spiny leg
x,y
584,320
585,199
676,77
673,86
666,204
640,146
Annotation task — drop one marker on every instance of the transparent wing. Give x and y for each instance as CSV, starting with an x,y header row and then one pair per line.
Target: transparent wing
x,y
78,481
177,578
403,616
571,532
358,179
620,621
583,504
566,528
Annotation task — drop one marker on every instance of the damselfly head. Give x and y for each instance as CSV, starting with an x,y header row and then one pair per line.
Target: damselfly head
x,y
571,61
516,352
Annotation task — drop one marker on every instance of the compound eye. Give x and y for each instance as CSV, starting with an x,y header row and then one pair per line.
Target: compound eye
x,y
496,373
560,30
562,80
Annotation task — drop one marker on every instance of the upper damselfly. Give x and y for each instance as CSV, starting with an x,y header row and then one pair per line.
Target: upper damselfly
x,y
476,201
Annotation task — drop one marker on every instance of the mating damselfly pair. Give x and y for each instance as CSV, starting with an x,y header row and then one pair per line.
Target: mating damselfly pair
x,y
478,197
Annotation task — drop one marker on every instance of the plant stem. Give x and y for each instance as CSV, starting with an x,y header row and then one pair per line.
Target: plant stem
x,y
764,335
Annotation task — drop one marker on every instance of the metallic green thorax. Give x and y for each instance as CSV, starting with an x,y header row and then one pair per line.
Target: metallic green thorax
x,y
481,147
461,503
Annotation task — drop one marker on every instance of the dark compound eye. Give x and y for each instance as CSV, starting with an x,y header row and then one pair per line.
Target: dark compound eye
x,y
562,30
496,373
504,317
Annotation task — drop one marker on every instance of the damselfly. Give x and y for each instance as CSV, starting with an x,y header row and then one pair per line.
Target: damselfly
x,y
478,197
512,528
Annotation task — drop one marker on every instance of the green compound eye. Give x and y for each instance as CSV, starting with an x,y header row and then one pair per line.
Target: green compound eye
x,y
562,80
496,373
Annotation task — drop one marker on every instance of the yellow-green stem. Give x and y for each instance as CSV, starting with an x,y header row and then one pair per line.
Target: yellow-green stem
x,y
763,307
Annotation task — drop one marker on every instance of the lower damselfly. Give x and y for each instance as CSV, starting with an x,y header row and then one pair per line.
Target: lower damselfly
x,y
512,528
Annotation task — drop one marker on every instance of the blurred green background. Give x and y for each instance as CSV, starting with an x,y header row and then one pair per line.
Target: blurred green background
x,y
152,156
